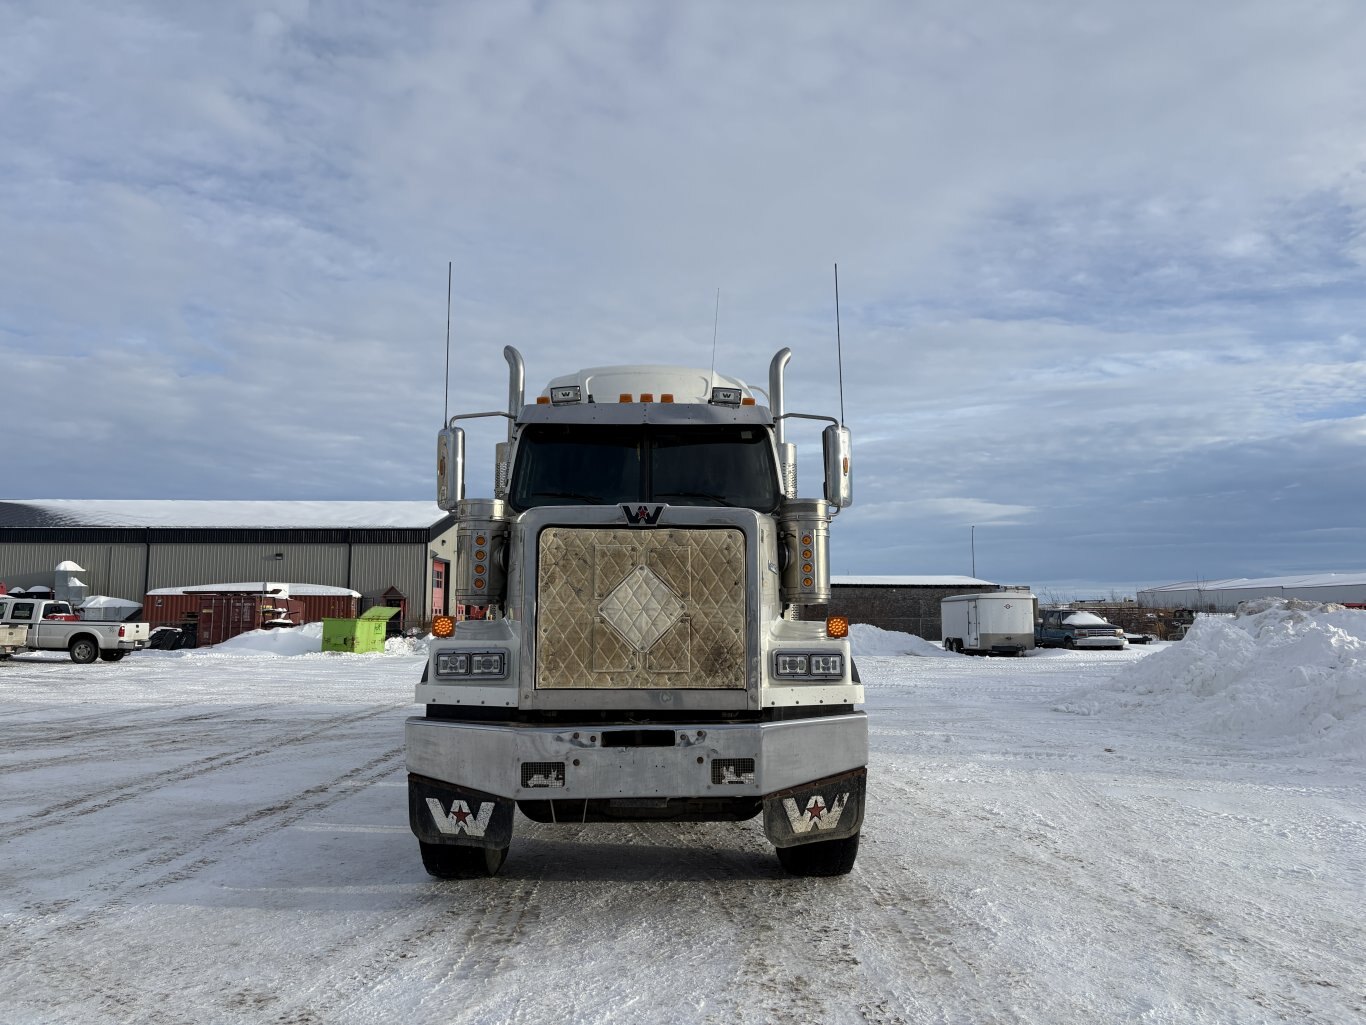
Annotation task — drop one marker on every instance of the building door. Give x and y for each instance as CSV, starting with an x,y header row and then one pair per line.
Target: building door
x,y
439,571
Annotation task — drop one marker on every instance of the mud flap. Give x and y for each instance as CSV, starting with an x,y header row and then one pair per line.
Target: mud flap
x,y
445,814
826,809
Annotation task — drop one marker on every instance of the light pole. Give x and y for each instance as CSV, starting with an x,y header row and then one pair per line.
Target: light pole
x,y
972,540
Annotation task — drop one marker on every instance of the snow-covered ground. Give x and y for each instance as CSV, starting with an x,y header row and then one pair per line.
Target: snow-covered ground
x,y
1173,833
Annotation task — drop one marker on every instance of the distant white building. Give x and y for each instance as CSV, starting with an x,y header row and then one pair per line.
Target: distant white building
x,y
1224,595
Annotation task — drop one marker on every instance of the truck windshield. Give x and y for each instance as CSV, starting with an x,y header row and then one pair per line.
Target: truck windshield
x,y
711,465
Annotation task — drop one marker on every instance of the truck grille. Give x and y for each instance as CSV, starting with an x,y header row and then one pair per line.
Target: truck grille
x,y
647,609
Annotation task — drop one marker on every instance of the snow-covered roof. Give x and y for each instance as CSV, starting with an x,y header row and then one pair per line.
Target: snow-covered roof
x,y
104,601
911,581
80,512
292,590
1350,578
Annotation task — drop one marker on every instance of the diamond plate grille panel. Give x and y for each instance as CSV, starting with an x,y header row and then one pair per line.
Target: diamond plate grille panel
x,y
635,609
641,608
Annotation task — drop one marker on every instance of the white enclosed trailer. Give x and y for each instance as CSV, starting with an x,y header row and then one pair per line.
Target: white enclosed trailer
x,y
996,623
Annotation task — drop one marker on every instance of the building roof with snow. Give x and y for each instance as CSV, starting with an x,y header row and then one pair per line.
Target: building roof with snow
x,y
1224,595
909,581
71,512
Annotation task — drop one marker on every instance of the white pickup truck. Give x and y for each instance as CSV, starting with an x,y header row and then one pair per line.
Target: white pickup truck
x,y
28,624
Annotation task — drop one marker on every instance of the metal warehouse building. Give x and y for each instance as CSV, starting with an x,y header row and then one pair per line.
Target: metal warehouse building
x,y
1224,595
386,551
907,604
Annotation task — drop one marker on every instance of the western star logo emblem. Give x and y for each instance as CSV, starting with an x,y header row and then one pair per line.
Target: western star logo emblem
x,y
461,819
641,608
816,815
645,514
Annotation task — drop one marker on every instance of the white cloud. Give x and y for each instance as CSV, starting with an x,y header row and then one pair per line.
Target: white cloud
x,y
1084,251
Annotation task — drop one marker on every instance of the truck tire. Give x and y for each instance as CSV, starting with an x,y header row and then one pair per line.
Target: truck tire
x,y
823,858
112,656
1068,644
450,861
84,650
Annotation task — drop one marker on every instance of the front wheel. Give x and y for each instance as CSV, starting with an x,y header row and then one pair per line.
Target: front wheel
x,y
84,650
1069,644
822,858
450,861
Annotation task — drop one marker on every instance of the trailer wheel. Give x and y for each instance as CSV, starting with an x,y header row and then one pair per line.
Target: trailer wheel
x,y
112,656
449,861
84,650
823,858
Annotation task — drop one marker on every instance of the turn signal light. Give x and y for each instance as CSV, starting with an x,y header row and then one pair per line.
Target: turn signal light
x,y
837,626
443,626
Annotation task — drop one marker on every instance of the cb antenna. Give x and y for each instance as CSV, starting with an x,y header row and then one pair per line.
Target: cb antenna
x,y
716,320
446,409
839,347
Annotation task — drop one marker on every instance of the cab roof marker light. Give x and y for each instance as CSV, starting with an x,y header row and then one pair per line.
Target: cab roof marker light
x,y
667,396
542,400
624,397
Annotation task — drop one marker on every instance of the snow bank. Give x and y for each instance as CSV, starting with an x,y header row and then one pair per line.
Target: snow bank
x,y
865,639
1282,671
290,640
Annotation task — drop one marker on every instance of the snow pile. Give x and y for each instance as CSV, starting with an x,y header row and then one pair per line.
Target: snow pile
x,y
1281,671
865,639
407,645
290,640
1085,619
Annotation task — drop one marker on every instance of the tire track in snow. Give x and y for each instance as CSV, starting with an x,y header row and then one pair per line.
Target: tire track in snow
x,y
96,743
41,938
148,783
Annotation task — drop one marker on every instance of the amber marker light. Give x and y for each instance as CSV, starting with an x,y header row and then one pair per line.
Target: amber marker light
x,y
443,626
668,396
837,626
624,397
748,400
647,396
542,400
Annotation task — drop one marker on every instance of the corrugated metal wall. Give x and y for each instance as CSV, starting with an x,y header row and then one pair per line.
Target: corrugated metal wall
x,y
187,565
112,569
127,571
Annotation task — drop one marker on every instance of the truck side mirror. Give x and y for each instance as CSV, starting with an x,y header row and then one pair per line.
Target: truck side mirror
x,y
450,468
839,483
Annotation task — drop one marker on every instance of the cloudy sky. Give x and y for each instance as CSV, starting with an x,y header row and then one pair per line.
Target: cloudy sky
x,y
1100,264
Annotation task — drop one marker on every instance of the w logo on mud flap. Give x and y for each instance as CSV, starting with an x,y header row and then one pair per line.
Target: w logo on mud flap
x,y
461,819
817,814
642,514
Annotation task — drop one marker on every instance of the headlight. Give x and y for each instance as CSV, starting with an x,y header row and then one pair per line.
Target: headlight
x,y
808,665
487,665
451,664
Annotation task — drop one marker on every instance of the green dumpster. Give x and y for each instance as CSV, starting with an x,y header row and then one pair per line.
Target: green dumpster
x,y
363,634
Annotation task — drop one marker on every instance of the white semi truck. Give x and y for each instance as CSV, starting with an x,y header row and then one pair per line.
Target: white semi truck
x,y
641,570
